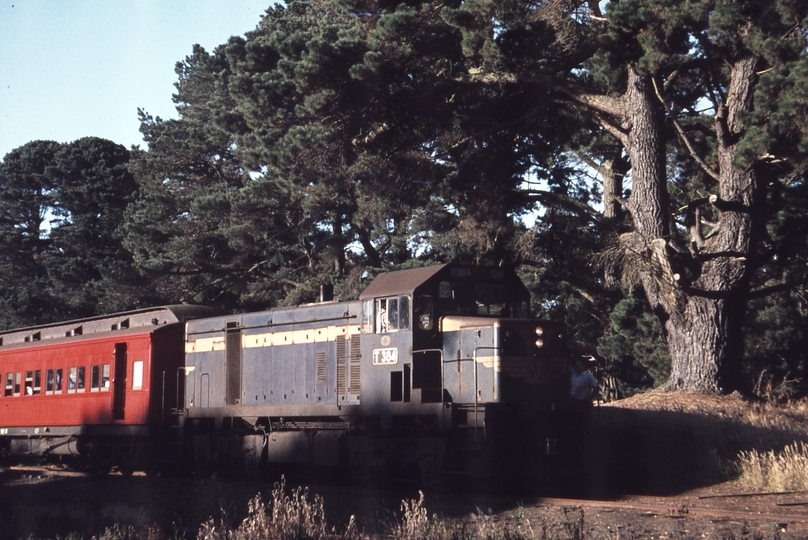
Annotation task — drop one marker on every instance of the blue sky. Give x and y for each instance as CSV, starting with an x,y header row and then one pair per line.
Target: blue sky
x,y
78,68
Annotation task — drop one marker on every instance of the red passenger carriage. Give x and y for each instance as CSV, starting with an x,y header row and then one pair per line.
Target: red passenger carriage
x,y
97,388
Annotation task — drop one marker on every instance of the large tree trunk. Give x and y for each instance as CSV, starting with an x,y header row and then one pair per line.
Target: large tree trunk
x,y
693,311
723,280
697,341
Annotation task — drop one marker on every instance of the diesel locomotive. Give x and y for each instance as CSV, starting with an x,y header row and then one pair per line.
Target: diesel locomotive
x,y
432,371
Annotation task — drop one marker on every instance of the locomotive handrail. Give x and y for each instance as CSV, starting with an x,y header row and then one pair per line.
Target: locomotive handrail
x,y
185,370
473,359
271,324
476,400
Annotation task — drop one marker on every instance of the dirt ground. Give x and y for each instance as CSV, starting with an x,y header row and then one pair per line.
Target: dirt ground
x,y
655,466
40,503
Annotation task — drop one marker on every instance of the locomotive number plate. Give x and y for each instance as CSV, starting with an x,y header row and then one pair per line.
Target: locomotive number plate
x,y
383,357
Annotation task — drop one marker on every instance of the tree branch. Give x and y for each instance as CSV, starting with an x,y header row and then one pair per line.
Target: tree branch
x,y
706,168
615,131
693,223
605,104
565,201
773,289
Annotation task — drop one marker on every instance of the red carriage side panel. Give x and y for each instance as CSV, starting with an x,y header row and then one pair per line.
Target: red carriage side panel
x,y
99,388
115,370
88,382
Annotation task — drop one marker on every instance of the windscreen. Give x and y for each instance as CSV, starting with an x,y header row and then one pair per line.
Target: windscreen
x,y
471,297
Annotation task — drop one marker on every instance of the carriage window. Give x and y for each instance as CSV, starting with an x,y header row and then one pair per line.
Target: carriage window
x,y
80,379
137,375
29,383
104,377
49,381
95,378
37,382
17,381
9,384
392,314
99,378
58,381
71,380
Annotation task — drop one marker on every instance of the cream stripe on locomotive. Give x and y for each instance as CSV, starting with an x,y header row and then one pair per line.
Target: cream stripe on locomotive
x,y
205,345
275,339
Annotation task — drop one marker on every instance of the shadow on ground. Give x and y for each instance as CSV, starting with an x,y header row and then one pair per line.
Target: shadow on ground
x,y
665,452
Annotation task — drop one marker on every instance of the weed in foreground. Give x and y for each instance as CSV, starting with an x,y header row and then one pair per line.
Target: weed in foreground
x,y
415,523
285,517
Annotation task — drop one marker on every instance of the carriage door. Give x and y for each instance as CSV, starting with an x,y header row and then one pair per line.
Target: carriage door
x,y
233,361
119,389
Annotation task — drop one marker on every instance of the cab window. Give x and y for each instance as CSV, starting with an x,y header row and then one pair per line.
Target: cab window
x,y
424,312
392,314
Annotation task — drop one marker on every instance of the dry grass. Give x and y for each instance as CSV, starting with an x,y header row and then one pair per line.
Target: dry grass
x,y
283,517
415,523
775,471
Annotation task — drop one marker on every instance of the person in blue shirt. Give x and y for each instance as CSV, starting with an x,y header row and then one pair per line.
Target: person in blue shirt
x,y
583,386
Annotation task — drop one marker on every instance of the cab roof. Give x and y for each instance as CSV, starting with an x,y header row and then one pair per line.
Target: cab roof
x,y
400,281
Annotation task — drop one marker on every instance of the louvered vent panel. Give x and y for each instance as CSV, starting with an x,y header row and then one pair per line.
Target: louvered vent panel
x,y
341,361
321,366
356,356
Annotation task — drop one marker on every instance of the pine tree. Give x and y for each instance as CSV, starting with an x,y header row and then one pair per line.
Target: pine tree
x,y
60,209
26,188
88,268
206,228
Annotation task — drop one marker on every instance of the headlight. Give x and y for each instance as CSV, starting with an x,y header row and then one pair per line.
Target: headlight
x,y
540,343
539,331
